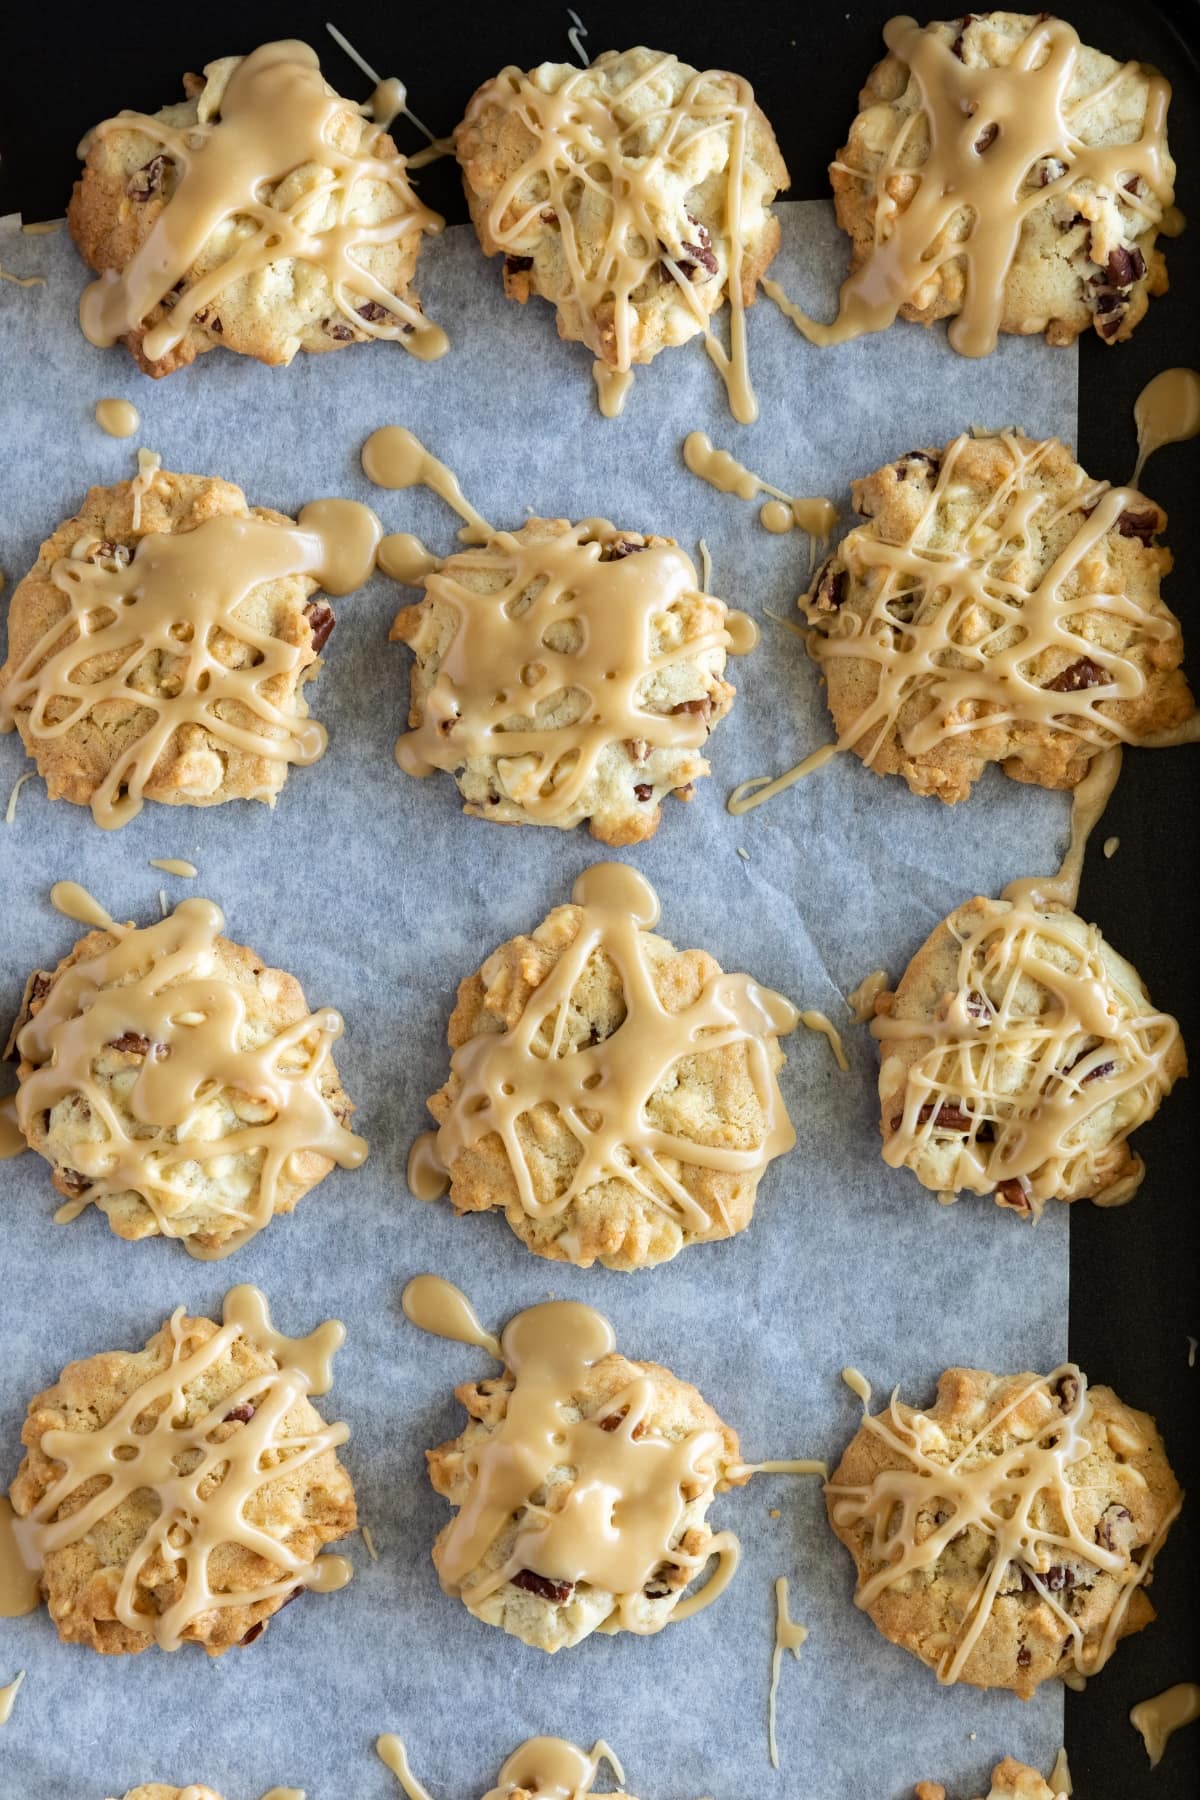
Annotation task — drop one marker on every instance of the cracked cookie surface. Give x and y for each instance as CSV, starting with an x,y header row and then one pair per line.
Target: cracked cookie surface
x,y
996,605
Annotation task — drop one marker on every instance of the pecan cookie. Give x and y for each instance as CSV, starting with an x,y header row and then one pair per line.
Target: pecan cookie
x,y
1006,1534
633,194
192,689
221,1484
567,673
158,1790
996,605
520,1552
262,214
1018,1054
1000,170
1011,1780
616,1097
179,1085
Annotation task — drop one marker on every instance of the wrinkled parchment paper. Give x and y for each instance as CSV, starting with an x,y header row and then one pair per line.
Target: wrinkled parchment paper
x,y
380,895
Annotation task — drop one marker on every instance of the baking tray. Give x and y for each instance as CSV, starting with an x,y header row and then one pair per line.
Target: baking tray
x,y
1133,1272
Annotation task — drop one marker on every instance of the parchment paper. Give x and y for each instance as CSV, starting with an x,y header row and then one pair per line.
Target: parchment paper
x,y
379,895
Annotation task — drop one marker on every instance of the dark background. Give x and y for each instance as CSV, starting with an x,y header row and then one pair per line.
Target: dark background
x,y
1133,1271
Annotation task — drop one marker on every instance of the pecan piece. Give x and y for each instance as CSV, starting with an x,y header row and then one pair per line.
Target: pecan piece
x,y
1141,525
133,1041
903,469
558,1592
338,330
703,705
1066,1388
373,312
255,1631
1012,1194
1124,267
620,548
147,181
321,623
73,1181
956,47
644,790
515,265
830,589
1024,1657
986,138
1083,673
242,1415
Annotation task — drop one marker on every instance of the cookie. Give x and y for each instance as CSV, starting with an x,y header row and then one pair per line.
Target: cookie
x,y
570,1427
1007,1534
263,214
1018,1054
177,1084
633,194
223,1484
996,605
1004,174
202,626
615,1097
1011,1780
158,1790
567,673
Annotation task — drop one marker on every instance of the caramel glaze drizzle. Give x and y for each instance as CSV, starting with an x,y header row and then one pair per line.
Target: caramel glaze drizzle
x,y
203,1510
178,598
563,622
998,1497
1002,142
602,1092
158,987
623,1518
276,116
815,515
549,1767
959,631
1094,1044
582,144
1167,411
1159,1718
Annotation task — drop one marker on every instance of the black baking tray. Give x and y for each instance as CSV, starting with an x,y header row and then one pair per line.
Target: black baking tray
x,y
1134,1289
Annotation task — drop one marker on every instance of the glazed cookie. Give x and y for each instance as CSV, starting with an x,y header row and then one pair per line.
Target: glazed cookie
x,y
615,1096
996,605
1018,1053
633,194
1011,1780
221,1484
541,1765
1006,1534
568,672
179,1085
569,1420
263,213
202,630
157,1790
1001,171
